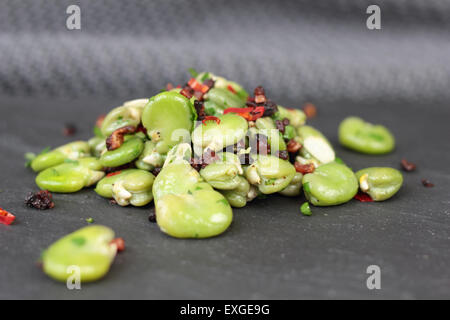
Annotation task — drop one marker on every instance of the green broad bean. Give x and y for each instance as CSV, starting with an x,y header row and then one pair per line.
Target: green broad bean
x,y
364,137
270,174
89,249
97,146
222,99
223,174
239,196
129,114
223,83
71,176
216,136
297,118
131,186
330,184
294,188
72,151
130,150
189,207
150,158
315,145
169,119
265,123
380,183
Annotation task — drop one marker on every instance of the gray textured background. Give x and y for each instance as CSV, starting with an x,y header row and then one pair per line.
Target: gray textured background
x,y
299,50
303,49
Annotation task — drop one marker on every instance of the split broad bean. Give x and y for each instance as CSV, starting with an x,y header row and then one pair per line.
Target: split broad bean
x,y
380,183
89,250
364,137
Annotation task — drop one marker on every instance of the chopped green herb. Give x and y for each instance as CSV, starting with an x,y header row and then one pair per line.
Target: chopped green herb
x,y
29,156
339,160
90,220
189,192
306,209
193,72
206,76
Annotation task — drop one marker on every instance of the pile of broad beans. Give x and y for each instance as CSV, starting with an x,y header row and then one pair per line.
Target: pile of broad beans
x,y
198,151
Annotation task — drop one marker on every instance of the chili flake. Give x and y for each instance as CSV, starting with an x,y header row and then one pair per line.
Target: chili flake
x,y
210,118
6,217
112,174
363,197
408,166
119,243
426,183
304,168
116,139
231,89
310,110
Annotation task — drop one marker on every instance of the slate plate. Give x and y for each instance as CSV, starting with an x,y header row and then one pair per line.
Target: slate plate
x,y
271,251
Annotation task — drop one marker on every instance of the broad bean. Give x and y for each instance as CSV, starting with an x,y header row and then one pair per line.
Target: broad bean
x,y
380,183
364,137
129,114
88,249
189,207
270,174
315,146
169,119
131,186
71,176
330,184
72,151
130,150
216,136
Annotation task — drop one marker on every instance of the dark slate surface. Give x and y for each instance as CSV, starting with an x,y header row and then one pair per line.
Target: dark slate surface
x,y
270,251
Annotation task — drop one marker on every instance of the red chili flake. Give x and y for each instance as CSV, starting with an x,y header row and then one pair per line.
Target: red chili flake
x,y
408,166
426,183
41,200
119,243
116,139
250,113
69,130
188,92
99,121
260,95
210,118
363,197
112,174
293,146
310,110
6,217
169,86
231,89
304,168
